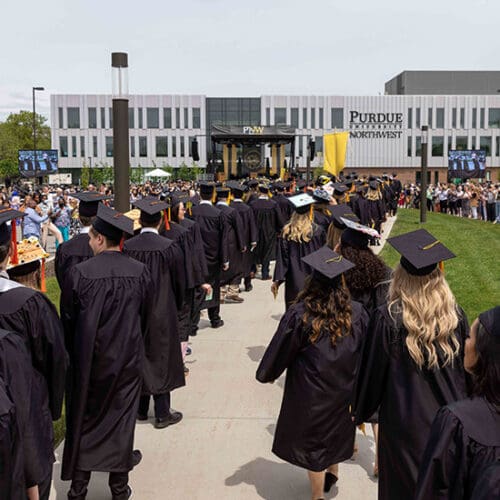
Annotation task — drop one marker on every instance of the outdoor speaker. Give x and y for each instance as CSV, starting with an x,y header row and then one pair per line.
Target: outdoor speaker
x,y
312,149
194,150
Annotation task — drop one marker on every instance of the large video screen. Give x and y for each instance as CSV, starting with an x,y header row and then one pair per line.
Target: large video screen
x,y
467,164
45,162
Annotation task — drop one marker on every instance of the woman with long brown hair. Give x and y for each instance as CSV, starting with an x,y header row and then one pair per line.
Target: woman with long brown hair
x,y
413,361
319,343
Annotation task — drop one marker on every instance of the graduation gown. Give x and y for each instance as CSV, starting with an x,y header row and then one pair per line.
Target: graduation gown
x,y
464,440
196,255
314,428
289,266
235,242
362,210
163,367
322,219
105,316
285,206
249,235
408,398
269,224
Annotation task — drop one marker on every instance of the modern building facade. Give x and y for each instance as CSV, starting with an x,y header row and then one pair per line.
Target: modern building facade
x,y
385,131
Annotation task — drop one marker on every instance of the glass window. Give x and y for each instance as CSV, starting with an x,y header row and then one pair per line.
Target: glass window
x,y
474,143
301,146
437,146
313,117
73,117
408,149
418,146
167,117
94,146
61,117
174,146
82,147
450,143
132,147
439,117
131,118
110,117
485,144
280,116
304,118
63,146
143,146
321,118
497,145
196,118
92,118
410,119
337,117
494,118
474,117
462,117
177,117
103,118
183,150
162,146
109,146
454,118
73,147
268,116
319,144
417,118
153,117
461,143
481,120
429,118
294,117
186,118
140,118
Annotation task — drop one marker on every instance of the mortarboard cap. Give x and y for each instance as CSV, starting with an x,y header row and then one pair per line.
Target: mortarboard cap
x,y
89,201
327,263
236,188
178,197
339,189
321,196
151,209
263,188
420,251
223,192
302,202
134,215
342,211
7,215
357,235
491,321
111,223
373,184
301,184
207,188
252,183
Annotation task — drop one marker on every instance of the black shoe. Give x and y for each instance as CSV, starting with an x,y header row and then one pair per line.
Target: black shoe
x,y
129,494
189,351
249,288
193,334
136,457
186,370
173,418
217,323
330,480
141,418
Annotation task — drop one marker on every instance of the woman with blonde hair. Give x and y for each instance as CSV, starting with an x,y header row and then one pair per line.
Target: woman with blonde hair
x,y
413,361
300,237
376,209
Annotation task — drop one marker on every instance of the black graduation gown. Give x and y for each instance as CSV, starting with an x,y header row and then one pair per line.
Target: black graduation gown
x,y
249,235
197,255
376,213
269,224
12,482
163,367
463,441
182,239
289,266
362,210
488,486
408,399
285,206
322,219
235,242
314,428
69,254
105,316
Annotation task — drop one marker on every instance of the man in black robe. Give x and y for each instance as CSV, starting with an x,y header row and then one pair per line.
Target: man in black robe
x,y
282,201
32,316
163,367
269,221
105,314
213,227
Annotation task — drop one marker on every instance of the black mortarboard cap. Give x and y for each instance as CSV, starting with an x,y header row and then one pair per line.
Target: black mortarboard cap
x,y
111,223
179,197
491,321
342,211
301,202
373,184
279,186
236,188
6,215
339,189
263,188
357,235
301,184
223,192
151,209
420,251
89,202
327,263
321,195
252,183
207,188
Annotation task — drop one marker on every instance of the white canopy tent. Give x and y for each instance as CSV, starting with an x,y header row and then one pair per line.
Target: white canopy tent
x,y
158,172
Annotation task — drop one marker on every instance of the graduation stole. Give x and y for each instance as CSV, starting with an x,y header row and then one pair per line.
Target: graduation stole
x,y
14,259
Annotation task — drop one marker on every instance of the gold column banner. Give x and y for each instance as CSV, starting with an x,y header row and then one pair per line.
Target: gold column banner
x,y
225,159
274,158
234,159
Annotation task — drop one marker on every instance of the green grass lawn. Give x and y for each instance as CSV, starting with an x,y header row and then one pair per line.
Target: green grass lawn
x,y
474,275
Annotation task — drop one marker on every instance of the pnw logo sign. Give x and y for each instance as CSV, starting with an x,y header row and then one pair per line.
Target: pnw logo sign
x,y
253,130
375,125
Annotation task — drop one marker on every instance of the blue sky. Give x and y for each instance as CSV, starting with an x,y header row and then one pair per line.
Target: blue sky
x,y
237,48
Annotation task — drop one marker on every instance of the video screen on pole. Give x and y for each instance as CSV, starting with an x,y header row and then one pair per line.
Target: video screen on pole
x,y
467,164
45,162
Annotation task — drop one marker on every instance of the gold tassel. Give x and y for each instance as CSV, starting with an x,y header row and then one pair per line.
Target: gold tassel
x,y
165,216
441,266
311,213
14,259
43,284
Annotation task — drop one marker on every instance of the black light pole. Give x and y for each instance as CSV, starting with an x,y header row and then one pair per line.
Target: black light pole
x,y
90,169
34,89
119,63
311,150
423,175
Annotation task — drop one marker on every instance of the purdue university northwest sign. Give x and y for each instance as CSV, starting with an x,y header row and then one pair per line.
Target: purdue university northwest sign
x,y
375,125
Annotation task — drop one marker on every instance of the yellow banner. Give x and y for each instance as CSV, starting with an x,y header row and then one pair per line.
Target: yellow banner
x,y
335,148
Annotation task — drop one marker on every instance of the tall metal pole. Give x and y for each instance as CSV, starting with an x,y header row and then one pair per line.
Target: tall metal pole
x,y
308,162
90,169
119,63
34,89
423,175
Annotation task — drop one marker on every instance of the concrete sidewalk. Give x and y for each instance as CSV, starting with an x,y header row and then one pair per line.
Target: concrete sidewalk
x,y
222,448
